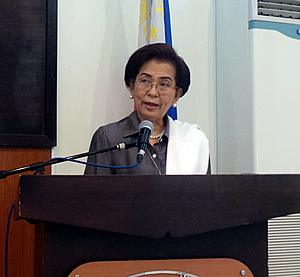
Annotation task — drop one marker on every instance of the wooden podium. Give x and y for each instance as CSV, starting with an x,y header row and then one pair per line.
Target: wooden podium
x,y
81,219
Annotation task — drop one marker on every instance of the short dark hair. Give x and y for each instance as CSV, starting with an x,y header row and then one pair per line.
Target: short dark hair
x,y
160,52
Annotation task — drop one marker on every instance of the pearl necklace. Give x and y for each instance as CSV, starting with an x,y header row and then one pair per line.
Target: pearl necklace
x,y
158,136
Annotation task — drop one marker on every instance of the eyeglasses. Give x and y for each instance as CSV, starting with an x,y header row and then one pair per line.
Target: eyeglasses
x,y
163,86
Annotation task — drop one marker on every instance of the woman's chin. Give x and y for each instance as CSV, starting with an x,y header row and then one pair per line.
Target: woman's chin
x,y
150,115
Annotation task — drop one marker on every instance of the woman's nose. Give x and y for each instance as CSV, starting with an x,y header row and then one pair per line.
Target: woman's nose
x,y
153,90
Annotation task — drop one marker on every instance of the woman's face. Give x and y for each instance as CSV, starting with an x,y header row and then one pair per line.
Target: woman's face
x,y
153,104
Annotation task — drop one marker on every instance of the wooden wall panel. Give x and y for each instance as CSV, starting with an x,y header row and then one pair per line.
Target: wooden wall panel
x,y
21,233
165,268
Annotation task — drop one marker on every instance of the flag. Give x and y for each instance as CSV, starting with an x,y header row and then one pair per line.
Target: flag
x,y
155,26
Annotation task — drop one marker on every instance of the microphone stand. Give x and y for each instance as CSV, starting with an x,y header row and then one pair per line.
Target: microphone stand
x,y
40,166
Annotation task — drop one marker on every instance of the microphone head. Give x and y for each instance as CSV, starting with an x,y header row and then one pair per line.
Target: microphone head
x,y
147,124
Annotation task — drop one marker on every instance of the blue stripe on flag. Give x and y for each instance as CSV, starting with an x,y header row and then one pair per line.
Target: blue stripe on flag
x,y
172,112
168,33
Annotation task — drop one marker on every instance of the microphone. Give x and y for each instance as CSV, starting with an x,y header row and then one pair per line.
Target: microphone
x,y
146,129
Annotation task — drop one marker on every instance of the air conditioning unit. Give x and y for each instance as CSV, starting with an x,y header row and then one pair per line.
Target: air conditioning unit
x,y
258,86
284,11
274,47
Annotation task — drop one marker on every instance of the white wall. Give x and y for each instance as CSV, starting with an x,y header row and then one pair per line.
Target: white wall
x,y
96,37
193,25
234,99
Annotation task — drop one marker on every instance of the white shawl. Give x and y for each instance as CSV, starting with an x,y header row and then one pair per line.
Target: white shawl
x,y
188,150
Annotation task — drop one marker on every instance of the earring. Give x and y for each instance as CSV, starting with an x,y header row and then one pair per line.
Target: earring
x,y
131,96
175,105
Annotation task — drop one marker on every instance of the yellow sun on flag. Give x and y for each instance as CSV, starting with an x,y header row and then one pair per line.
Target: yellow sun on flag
x,y
143,14
160,8
151,25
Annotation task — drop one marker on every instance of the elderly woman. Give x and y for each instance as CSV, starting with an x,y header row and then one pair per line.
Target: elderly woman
x,y
156,77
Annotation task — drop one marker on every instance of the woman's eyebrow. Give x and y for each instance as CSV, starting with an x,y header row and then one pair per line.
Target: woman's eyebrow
x,y
162,78
148,75
166,78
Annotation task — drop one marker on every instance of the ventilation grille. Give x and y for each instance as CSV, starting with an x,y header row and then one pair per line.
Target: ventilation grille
x,y
284,246
279,8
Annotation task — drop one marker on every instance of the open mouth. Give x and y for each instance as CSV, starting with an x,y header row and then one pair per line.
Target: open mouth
x,y
151,104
